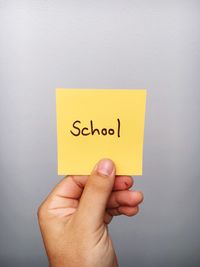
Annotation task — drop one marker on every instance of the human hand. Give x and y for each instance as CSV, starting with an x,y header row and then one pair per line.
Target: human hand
x,y
74,217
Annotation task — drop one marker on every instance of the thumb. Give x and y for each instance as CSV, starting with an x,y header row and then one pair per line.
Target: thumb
x,y
96,193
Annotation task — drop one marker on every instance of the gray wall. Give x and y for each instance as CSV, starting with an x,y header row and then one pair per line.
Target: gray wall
x,y
102,44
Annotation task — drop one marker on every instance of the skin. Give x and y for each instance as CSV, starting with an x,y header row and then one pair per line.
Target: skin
x,y
74,217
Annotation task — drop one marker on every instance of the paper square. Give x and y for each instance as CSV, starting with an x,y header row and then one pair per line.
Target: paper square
x,y
118,117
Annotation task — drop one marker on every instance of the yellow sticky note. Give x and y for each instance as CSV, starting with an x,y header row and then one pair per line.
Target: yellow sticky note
x,y
100,123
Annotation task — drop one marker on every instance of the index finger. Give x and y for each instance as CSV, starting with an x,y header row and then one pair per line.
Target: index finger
x,y
72,186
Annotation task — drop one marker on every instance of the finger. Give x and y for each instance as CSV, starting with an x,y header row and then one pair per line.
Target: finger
x,y
128,211
123,183
107,217
69,190
124,198
63,200
96,193
72,186
123,210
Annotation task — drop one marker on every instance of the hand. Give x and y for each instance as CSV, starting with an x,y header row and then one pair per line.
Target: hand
x,y
74,217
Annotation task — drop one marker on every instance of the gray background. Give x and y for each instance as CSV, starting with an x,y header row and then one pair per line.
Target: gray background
x,y
102,44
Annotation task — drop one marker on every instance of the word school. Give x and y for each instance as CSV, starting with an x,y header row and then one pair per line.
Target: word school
x,y
78,130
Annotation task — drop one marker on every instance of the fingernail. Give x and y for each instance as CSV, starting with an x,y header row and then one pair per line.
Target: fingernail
x,y
105,167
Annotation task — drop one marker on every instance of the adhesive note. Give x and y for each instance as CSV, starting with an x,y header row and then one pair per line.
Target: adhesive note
x,y
100,123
